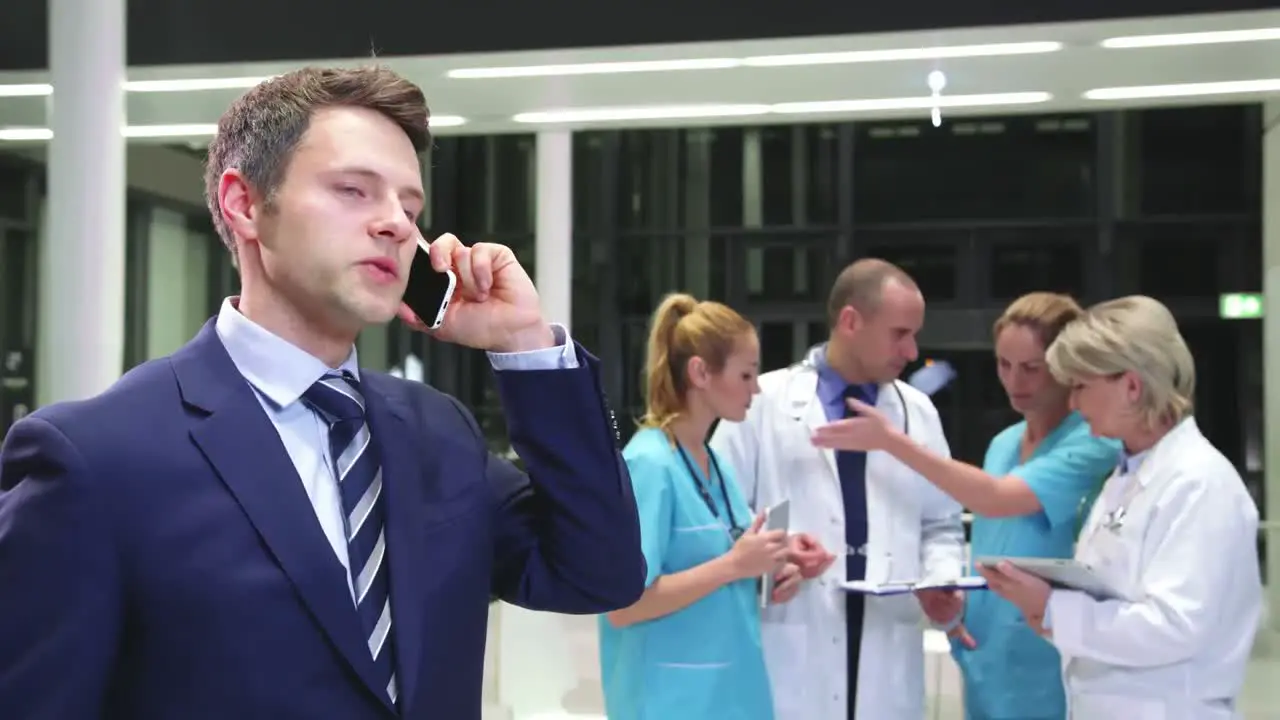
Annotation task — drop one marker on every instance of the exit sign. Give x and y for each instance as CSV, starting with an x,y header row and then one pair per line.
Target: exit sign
x,y
1240,306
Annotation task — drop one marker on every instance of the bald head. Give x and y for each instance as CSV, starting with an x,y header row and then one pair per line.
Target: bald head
x,y
861,285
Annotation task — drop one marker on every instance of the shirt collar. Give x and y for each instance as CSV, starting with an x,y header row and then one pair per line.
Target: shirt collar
x,y
831,387
278,369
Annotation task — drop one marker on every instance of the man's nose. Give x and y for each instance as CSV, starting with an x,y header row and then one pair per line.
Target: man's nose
x,y
394,223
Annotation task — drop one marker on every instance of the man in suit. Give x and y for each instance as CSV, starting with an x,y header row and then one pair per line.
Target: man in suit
x,y
255,527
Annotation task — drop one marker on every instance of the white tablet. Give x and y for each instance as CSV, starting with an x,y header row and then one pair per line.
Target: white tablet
x,y
777,517
1060,572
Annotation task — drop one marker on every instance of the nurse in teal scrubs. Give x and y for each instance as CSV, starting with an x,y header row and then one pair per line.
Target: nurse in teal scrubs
x,y
689,649
1037,482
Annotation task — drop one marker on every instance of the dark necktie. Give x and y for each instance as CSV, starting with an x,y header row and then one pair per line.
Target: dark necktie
x,y
852,467
337,399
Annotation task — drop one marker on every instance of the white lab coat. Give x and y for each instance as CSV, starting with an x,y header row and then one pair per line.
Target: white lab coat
x,y
1186,553
914,531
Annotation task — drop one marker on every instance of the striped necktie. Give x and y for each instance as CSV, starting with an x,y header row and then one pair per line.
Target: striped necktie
x,y
337,399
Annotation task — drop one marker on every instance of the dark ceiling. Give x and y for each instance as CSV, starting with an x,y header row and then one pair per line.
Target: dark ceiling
x,y
163,32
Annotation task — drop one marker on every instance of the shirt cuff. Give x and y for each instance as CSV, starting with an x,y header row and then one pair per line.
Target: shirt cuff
x,y
564,356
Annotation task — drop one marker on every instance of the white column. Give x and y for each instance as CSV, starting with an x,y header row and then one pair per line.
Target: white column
x,y
554,247
546,665
1271,352
81,308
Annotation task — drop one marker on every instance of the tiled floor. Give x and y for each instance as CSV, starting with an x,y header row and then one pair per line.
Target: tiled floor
x,y
573,639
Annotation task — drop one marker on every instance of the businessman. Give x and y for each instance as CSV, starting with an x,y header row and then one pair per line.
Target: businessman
x,y
256,527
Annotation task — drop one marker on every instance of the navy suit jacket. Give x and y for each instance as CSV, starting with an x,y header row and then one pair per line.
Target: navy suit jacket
x,y
160,559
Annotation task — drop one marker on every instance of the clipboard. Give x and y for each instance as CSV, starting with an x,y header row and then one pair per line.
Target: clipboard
x,y
777,517
1061,573
903,587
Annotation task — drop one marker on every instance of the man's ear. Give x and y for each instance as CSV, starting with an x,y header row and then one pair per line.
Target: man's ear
x,y
239,205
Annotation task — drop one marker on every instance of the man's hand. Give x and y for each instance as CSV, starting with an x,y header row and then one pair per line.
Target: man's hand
x,y
786,583
495,305
808,555
944,608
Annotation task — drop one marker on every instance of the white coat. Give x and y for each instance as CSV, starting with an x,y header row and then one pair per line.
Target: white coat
x,y
1178,536
914,531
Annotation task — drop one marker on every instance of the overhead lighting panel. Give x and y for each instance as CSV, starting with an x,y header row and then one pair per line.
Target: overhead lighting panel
x,y
180,130
680,112
1146,92
593,68
1209,37
943,52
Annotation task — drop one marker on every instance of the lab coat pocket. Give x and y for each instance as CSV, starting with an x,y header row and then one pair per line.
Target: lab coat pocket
x,y
1100,706
786,650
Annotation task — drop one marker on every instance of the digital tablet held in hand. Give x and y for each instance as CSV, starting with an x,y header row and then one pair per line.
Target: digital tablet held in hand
x,y
1060,572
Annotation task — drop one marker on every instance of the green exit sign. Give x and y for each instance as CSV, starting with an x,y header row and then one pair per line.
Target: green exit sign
x,y
1240,306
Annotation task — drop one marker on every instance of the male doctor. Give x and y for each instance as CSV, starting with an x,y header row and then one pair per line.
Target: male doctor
x,y
834,655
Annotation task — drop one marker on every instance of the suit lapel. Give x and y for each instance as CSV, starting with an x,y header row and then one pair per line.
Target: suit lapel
x,y
242,445
403,476
804,406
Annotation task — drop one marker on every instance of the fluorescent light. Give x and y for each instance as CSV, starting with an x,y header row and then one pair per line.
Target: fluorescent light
x,y
192,84
1211,37
670,112
926,102
164,131
593,68
181,130
439,121
899,54
25,134
1138,92
26,90
676,112
144,86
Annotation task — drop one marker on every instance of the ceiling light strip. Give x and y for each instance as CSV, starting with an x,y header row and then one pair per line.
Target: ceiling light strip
x,y
595,68
683,112
181,130
903,54
1146,92
1210,37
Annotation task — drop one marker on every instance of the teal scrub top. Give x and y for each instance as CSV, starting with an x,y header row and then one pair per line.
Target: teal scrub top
x,y
1015,674
704,662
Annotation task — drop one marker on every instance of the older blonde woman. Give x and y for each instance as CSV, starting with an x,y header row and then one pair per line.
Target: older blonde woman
x,y
1174,531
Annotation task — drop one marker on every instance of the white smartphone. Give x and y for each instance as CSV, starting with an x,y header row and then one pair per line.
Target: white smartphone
x,y
428,292
777,517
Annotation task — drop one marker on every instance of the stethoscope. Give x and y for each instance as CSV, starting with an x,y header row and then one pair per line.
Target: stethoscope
x,y
812,362
735,531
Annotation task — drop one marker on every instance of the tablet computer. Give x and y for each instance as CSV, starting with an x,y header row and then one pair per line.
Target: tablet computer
x,y
1059,572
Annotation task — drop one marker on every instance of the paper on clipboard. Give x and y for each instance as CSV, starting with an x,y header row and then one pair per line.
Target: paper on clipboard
x,y
777,517
863,587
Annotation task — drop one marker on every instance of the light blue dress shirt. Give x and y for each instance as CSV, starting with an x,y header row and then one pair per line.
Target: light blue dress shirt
x,y
281,372
704,662
1015,674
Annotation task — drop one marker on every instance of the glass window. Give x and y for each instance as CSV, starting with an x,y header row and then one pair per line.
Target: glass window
x,y
933,265
1175,259
784,271
799,174
484,184
1195,160
1017,268
1017,167
777,345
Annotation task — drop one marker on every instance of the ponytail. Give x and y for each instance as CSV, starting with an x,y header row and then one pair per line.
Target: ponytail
x,y
665,366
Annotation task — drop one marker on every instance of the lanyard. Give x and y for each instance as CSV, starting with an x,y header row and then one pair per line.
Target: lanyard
x,y
734,531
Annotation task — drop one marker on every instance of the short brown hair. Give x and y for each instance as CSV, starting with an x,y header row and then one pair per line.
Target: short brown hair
x,y
682,329
1045,313
860,284
259,132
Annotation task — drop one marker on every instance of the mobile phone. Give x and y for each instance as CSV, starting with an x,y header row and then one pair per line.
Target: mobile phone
x,y
428,291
